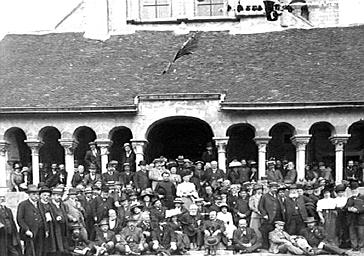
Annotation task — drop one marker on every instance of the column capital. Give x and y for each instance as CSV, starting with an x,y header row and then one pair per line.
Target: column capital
x,y
139,142
34,145
104,145
3,147
339,140
262,140
221,143
68,144
300,141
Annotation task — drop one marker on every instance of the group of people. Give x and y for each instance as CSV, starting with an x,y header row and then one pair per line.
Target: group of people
x,y
171,207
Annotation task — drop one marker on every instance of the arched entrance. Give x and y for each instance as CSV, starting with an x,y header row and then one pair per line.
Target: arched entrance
x,y
355,145
18,150
241,144
179,135
320,148
118,135
83,135
51,151
280,146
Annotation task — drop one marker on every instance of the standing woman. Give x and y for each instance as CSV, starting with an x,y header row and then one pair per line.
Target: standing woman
x,y
326,209
255,218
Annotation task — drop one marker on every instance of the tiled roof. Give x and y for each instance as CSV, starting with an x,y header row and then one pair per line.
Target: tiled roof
x,y
67,70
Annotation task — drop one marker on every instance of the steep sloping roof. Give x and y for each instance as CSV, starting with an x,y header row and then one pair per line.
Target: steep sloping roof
x,y
67,70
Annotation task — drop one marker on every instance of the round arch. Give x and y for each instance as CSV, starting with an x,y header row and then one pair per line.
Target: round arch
x,y
118,135
51,151
18,150
83,135
320,148
241,143
354,149
178,135
280,146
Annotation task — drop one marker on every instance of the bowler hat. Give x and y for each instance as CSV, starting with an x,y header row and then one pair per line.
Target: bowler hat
x,y
273,184
136,205
126,145
57,191
354,185
92,143
278,222
142,163
223,205
146,192
103,222
45,189
310,220
88,190
340,188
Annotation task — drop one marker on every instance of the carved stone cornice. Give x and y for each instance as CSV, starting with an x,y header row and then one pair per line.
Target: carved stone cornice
x,y
339,141
34,145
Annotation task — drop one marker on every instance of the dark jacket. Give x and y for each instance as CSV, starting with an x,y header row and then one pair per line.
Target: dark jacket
x,y
141,180
291,210
270,205
29,218
8,231
241,237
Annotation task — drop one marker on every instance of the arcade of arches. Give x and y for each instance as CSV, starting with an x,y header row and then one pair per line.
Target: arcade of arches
x,y
182,135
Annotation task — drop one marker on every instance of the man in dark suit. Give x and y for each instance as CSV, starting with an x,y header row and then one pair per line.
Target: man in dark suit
x,y
31,223
244,238
93,156
128,156
141,179
294,211
9,236
270,209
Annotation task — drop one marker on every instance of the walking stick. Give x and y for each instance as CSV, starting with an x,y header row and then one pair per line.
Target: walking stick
x,y
32,246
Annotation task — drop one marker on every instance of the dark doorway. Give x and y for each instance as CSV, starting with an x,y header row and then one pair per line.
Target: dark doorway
x,y
174,136
355,145
280,146
241,143
118,135
51,151
320,148
83,136
18,150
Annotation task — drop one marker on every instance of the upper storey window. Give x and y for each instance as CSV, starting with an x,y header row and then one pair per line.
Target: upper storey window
x,y
156,9
210,7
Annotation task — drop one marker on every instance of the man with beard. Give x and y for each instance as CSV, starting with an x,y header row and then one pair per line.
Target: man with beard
x,y
30,221
157,220
9,236
210,154
60,221
141,178
213,230
270,209
92,177
102,205
294,211
131,239
47,215
192,226
110,175
273,175
166,190
244,238
242,209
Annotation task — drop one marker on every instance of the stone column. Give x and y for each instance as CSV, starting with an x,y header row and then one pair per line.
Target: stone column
x,y
339,141
300,141
69,146
3,150
221,143
104,145
138,147
262,143
35,145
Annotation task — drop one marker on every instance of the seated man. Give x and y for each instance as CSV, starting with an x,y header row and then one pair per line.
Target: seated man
x,y
281,242
213,229
131,239
77,245
105,239
317,239
244,238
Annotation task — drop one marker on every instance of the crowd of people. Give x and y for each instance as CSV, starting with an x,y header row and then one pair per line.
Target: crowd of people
x,y
173,206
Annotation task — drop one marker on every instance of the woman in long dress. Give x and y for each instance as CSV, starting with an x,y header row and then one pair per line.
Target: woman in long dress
x,y
255,218
227,218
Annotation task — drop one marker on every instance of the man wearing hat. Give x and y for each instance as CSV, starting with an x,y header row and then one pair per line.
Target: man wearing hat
x,y
214,231
271,211
128,156
166,190
102,205
355,209
9,236
214,175
110,175
88,205
131,239
281,242
234,171
60,219
273,174
157,220
93,156
141,178
92,177
105,238
342,226
77,244
30,221
316,237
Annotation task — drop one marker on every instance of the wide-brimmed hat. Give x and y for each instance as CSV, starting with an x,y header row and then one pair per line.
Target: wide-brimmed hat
x,y
280,223
88,190
104,222
142,163
126,145
273,184
257,186
180,158
92,166
340,188
57,191
32,189
223,205
147,192
92,143
235,163
310,220
72,191
212,240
